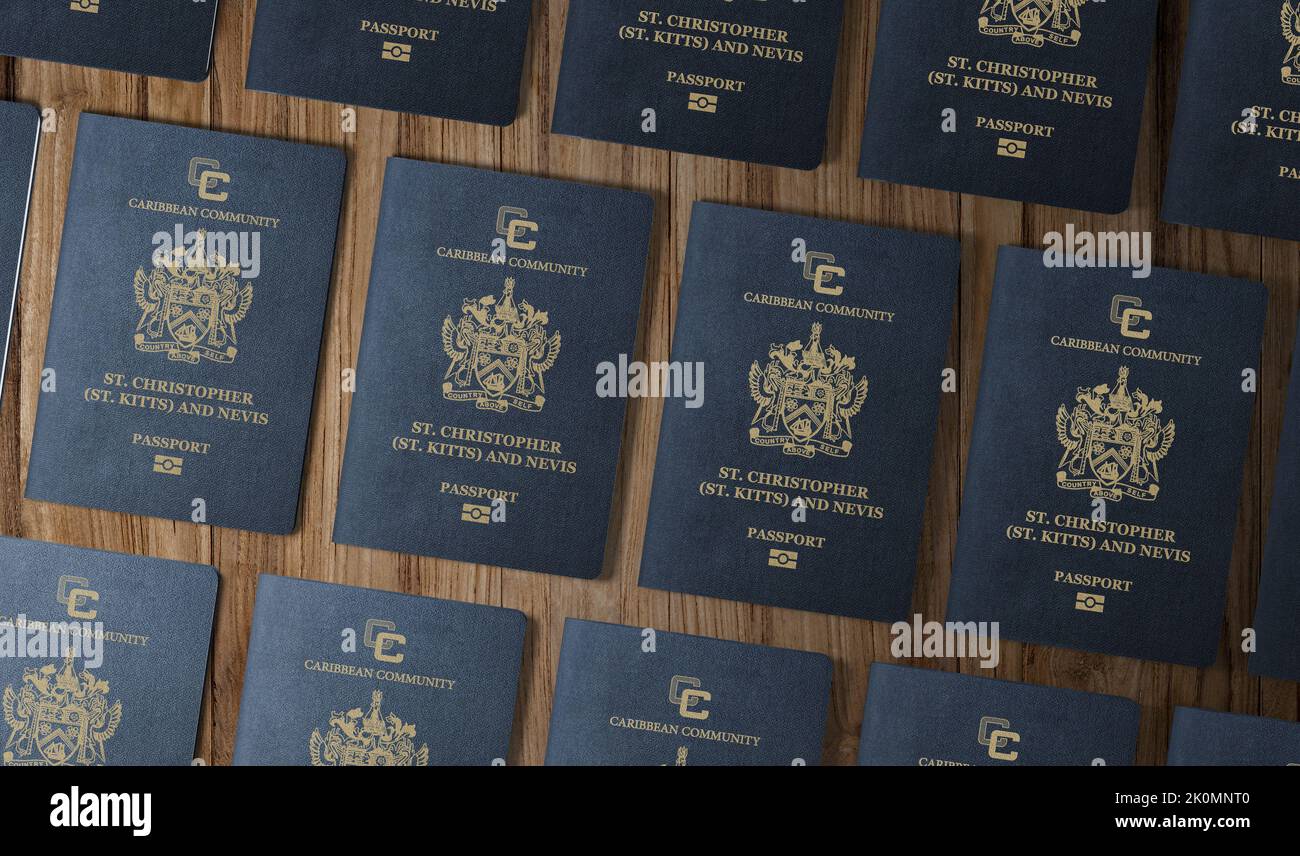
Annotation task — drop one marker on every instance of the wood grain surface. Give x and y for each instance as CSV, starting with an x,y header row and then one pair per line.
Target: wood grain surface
x,y
675,182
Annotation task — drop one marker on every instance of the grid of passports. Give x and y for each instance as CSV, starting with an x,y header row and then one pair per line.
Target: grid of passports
x,y
634,696
1106,458
161,38
1234,162
1206,738
926,718
743,81
186,324
105,656
19,133
1277,628
478,432
801,481
457,60
348,677
1032,101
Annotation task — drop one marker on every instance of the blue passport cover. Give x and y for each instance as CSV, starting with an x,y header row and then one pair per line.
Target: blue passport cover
x,y
118,679
632,696
1277,613
1207,738
19,133
476,431
745,81
349,677
161,38
186,324
1106,458
1234,163
459,59
823,345
922,717
1032,100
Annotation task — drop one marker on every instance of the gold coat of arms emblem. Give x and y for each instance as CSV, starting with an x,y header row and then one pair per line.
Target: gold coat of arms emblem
x,y
1033,22
59,718
500,352
1114,442
1291,32
190,305
373,739
806,397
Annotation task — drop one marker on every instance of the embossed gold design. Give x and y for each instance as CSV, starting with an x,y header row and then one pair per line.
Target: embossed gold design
x,y
59,718
1291,32
1114,441
1033,22
996,735
807,398
190,306
357,739
500,353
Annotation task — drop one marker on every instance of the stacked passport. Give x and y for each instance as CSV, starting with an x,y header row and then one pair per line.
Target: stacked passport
x,y
19,132
105,656
1205,738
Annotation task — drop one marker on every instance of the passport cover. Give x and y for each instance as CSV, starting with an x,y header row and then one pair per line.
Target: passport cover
x,y
824,347
743,81
1106,458
476,431
1234,162
631,696
459,59
1207,738
119,678
345,677
922,717
162,38
1277,640
1032,100
186,324
19,136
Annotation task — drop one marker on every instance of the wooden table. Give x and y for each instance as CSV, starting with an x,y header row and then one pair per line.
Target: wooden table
x,y
675,181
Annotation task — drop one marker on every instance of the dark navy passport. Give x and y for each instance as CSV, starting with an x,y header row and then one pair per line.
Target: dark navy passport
x,y
1234,163
458,59
477,430
801,480
1277,613
633,696
1032,100
19,132
186,324
747,81
348,677
1207,738
1106,458
162,38
104,656
926,718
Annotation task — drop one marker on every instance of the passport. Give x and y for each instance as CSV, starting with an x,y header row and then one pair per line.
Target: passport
x,y
348,677
1207,738
161,38
801,481
1033,101
1106,458
742,81
458,60
1234,162
186,324
19,135
632,696
477,431
1277,638
104,656
926,718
